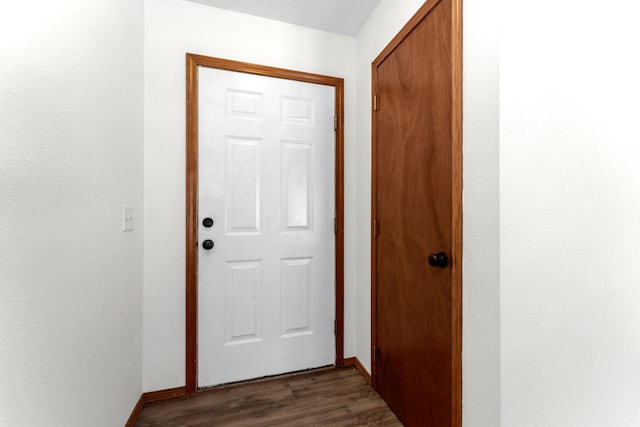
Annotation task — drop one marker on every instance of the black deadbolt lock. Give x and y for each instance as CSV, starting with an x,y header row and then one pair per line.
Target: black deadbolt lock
x,y
207,222
207,244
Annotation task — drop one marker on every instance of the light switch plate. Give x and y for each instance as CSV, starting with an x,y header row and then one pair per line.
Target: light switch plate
x,y
127,218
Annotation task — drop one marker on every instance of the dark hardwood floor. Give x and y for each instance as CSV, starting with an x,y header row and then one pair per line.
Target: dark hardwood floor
x,y
328,397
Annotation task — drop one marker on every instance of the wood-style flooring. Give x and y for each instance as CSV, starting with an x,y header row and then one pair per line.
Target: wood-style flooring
x,y
328,397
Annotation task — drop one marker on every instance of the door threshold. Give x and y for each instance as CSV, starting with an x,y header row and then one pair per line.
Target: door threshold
x,y
212,388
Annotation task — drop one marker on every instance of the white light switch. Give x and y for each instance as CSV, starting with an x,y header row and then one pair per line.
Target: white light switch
x,y
127,218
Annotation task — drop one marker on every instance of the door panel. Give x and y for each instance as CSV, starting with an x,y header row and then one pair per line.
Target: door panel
x,y
242,207
413,208
297,214
266,176
296,283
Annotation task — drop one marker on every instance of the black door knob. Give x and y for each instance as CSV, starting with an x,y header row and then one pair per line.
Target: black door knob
x,y
207,244
439,260
207,222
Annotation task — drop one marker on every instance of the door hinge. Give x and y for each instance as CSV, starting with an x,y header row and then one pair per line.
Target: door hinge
x,y
335,225
375,352
335,123
376,228
375,102
335,327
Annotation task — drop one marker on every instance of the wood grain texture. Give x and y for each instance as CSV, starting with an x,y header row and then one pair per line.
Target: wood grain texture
x,y
417,193
339,206
456,212
194,61
191,271
338,397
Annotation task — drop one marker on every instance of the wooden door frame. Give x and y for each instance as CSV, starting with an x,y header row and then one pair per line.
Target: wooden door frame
x,y
456,193
193,62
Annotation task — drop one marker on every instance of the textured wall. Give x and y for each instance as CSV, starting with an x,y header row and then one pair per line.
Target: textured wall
x,y
173,28
71,129
481,216
570,209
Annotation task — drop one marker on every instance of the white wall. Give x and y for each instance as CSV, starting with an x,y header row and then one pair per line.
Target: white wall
x,y
481,382
173,28
71,141
570,214
481,220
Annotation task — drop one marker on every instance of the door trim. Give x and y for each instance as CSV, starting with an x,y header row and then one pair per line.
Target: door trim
x,y
456,195
194,61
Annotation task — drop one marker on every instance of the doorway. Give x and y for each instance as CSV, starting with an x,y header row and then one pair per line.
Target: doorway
x,y
247,274
417,218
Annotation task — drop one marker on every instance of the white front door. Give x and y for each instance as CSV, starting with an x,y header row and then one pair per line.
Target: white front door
x,y
266,291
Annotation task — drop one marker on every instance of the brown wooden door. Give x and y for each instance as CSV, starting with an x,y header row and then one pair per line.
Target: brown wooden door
x,y
416,208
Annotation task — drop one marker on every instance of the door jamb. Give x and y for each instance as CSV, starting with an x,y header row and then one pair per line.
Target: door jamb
x,y
193,61
456,199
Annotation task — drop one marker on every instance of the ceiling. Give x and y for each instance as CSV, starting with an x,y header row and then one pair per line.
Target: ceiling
x,y
337,16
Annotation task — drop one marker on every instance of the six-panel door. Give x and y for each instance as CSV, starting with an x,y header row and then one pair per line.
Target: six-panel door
x,y
266,178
